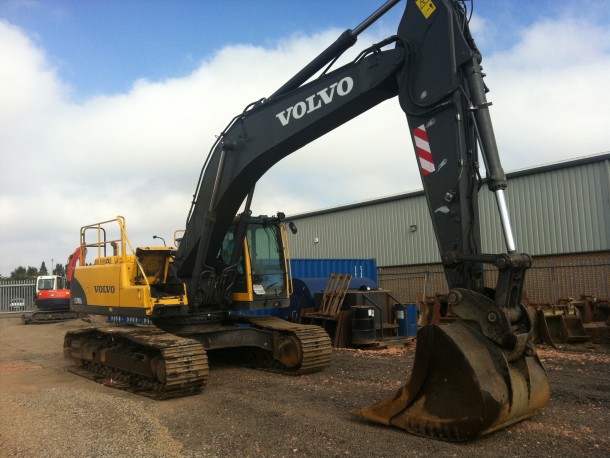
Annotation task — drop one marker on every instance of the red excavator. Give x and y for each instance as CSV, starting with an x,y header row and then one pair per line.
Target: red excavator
x,y
53,296
470,377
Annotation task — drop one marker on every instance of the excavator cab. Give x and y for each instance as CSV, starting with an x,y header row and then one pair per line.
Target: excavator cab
x,y
262,283
267,267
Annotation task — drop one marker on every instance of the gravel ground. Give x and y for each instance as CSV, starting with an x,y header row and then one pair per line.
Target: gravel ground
x,y
46,411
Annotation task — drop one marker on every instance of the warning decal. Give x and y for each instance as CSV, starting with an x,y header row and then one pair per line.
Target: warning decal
x,y
422,146
426,7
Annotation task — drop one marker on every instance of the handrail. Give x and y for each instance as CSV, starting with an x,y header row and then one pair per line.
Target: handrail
x,y
124,241
287,266
381,320
124,234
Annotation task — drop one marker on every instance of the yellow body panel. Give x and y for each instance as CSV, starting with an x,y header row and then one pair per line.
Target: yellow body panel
x,y
122,280
109,283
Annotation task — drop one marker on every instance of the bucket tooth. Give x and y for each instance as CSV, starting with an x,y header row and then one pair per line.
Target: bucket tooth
x,y
462,386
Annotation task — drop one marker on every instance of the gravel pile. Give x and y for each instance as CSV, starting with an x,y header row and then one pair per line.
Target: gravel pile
x,y
67,422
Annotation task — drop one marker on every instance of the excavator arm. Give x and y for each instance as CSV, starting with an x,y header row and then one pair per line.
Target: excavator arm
x,y
77,257
472,376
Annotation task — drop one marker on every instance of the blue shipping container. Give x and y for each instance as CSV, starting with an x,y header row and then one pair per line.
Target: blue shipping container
x,y
322,268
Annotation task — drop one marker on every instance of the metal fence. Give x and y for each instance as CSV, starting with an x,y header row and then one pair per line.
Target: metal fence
x,y
549,279
17,289
553,279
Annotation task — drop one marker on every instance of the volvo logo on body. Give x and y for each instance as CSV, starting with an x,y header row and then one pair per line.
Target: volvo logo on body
x,y
313,102
104,289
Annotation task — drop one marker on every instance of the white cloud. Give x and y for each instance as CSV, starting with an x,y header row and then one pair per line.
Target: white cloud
x,y
550,93
138,154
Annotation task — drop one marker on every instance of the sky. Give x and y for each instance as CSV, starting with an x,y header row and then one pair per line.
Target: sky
x,y
109,107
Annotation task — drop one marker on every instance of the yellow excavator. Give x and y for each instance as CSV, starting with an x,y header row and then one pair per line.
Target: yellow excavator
x,y
226,283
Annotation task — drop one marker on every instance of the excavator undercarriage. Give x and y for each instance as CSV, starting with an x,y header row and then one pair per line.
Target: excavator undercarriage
x,y
163,365
49,316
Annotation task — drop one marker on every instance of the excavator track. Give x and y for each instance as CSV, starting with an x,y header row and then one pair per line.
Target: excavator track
x,y
49,316
143,360
300,348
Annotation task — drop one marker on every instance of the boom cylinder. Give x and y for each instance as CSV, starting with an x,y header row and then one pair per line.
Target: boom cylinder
x,y
480,107
345,41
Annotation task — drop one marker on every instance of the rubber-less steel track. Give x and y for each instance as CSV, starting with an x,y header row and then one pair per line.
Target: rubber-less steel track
x,y
145,360
159,364
49,316
314,348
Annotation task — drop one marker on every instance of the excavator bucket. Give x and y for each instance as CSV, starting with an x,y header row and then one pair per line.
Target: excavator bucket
x,y
462,386
555,328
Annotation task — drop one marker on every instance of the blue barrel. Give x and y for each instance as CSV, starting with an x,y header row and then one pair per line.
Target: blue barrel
x,y
400,312
411,320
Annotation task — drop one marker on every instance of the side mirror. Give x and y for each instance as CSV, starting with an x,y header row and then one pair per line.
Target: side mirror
x,y
293,227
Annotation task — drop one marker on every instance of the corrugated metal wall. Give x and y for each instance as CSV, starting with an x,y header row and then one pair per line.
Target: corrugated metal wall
x,y
563,208
556,211
380,231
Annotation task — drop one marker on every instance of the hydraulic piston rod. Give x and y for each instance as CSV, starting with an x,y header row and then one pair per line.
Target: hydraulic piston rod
x,y
504,217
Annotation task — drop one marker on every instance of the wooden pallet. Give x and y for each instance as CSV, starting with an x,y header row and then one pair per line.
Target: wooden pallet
x,y
334,293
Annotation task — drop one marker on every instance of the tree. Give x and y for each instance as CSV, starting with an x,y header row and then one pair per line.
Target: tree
x,y
60,270
21,273
43,269
32,272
